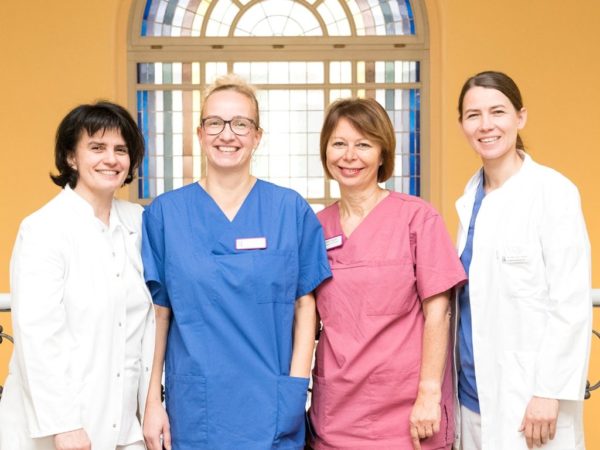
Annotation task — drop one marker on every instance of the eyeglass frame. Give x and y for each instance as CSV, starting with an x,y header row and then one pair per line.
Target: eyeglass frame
x,y
228,122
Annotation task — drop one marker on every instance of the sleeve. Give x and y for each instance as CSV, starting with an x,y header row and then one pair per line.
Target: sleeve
x,y
313,265
39,267
153,257
437,267
562,360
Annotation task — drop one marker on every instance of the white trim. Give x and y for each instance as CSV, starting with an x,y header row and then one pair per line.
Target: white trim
x,y
4,301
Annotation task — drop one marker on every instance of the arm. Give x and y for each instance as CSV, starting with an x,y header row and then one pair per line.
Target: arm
x,y
156,421
566,341
426,413
305,322
39,270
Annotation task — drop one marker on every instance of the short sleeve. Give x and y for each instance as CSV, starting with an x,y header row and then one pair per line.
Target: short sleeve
x,y
313,264
153,254
437,266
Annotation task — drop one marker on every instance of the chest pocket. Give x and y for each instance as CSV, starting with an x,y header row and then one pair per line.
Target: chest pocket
x,y
391,288
522,269
274,274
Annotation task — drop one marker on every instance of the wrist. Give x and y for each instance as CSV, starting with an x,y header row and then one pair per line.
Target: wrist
x,y
430,389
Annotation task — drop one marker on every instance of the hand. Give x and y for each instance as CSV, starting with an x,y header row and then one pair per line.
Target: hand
x,y
424,419
156,424
72,440
539,421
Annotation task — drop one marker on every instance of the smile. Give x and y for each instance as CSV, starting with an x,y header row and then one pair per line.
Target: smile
x,y
349,170
108,172
489,139
227,149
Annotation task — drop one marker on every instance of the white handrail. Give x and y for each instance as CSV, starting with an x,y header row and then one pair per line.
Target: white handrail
x,y
5,299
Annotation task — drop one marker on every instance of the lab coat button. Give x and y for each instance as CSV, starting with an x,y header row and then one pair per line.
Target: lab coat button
x,y
119,323
118,374
118,275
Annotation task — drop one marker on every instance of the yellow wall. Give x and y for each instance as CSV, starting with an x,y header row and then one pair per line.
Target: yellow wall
x,y
58,54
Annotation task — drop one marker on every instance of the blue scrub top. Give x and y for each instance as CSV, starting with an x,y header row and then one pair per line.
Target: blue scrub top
x,y
230,340
467,382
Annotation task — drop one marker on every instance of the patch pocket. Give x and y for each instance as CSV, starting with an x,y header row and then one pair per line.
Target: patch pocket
x,y
291,410
185,397
390,288
273,275
518,264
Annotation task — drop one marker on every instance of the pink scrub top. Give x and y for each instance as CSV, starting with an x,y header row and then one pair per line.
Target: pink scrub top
x,y
368,358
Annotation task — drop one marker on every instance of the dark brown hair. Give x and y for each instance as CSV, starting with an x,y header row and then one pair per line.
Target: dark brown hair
x,y
100,116
494,80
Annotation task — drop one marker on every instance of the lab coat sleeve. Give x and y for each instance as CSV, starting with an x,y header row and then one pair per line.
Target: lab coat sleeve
x,y
39,270
153,256
313,264
562,360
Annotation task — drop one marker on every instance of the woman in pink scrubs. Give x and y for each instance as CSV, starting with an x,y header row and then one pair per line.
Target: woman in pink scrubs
x,y
382,377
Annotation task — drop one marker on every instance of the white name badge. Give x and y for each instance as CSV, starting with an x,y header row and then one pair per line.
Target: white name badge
x,y
251,243
333,242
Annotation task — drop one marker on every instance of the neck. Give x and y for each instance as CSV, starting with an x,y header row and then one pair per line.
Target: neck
x,y
359,202
497,171
228,190
101,204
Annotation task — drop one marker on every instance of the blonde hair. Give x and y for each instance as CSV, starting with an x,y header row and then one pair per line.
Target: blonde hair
x,y
232,82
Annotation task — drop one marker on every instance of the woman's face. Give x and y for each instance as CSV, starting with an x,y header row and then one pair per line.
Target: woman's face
x,y
228,150
352,159
102,163
490,122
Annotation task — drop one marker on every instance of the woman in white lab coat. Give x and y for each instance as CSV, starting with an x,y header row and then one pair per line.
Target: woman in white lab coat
x,y
524,323
82,317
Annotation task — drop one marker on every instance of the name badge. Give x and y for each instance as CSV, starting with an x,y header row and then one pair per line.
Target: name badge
x,y
333,242
251,243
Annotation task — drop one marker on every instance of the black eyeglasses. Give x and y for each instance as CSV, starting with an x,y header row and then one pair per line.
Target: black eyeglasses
x,y
241,126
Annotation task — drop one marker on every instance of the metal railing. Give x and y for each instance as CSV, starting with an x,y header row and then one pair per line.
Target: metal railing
x,y
5,306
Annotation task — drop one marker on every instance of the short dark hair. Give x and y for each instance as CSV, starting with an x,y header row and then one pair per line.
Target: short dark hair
x,y
494,80
100,116
367,116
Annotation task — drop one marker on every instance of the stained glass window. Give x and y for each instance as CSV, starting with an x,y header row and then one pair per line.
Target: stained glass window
x,y
293,90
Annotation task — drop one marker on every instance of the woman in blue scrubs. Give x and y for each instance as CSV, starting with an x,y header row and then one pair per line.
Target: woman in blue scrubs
x,y
231,262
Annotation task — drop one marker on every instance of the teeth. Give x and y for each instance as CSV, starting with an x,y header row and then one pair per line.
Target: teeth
x,y
490,139
350,171
227,149
108,172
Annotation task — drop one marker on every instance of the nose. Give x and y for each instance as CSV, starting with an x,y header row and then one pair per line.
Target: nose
x,y
486,122
227,134
350,153
110,156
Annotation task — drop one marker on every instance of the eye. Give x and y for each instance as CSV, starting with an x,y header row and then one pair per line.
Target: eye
x,y
338,144
122,150
240,123
498,112
213,122
364,145
471,115
96,148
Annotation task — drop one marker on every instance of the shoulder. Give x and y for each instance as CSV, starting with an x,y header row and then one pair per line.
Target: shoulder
x,y
412,206
130,213
551,183
282,197
52,215
176,198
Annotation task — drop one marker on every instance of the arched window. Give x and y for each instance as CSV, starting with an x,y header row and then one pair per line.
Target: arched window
x,y
301,55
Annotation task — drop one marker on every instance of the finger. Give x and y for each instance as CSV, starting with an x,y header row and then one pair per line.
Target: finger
x,y
428,430
552,430
416,442
537,435
436,426
544,432
529,435
167,437
522,427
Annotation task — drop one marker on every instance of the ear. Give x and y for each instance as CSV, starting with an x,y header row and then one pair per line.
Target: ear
x,y
71,161
522,118
257,138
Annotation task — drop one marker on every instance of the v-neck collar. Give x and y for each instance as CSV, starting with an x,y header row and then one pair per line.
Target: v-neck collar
x,y
338,218
216,206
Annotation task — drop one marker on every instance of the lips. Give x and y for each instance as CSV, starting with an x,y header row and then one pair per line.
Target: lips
x,y
108,172
489,140
349,171
225,149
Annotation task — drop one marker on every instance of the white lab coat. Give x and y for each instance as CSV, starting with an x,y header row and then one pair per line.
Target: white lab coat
x,y
530,294
69,327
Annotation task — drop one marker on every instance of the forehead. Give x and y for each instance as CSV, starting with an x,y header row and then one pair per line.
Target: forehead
x,y
228,104
480,97
102,135
345,128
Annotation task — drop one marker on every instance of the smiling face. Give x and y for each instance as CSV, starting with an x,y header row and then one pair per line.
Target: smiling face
x,y
227,150
491,123
101,162
352,158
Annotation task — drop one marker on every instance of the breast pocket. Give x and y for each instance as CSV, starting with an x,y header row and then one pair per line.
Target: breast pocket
x,y
390,288
274,273
522,270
